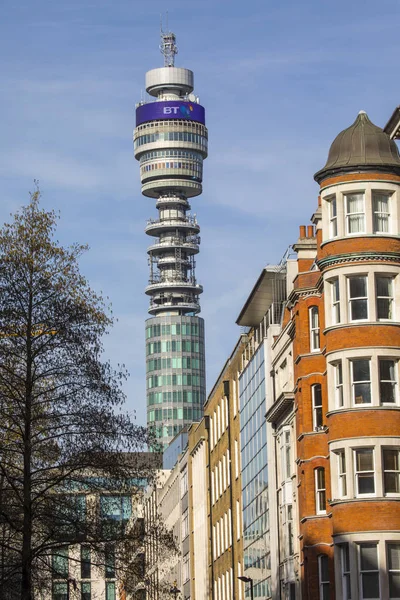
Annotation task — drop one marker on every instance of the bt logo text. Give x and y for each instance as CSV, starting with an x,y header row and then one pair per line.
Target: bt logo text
x,y
171,110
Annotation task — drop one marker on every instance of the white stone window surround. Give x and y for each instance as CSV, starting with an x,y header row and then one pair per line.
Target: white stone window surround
x,y
382,539
349,446
313,319
371,271
367,188
346,356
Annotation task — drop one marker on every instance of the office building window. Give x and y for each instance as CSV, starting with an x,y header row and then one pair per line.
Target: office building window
x,y
110,590
314,328
184,482
391,471
358,298
381,212
316,394
86,590
364,471
361,381
335,301
393,557
333,226
384,297
355,213
289,522
60,566
323,576
185,524
185,568
369,571
387,381
286,455
60,590
85,562
109,561
320,490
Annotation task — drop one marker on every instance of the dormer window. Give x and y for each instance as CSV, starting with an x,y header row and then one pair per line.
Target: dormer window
x,y
355,213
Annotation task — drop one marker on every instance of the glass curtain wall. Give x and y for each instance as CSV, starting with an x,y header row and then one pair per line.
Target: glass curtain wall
x,y
253,435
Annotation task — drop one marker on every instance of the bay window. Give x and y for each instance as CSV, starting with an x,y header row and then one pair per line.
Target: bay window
x,y
338,384
361,381
341,462
387,381
345,571
358,297
370,566
393,557
335,301
381,212
369,571
333,221
364,471
384,297
355,213
391,470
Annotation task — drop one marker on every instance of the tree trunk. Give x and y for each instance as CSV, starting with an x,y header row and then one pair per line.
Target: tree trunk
x,y
26,582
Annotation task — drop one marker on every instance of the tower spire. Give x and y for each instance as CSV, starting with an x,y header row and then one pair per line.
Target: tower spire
x,y
168,46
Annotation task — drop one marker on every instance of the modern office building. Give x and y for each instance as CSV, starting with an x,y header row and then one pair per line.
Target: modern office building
x,y
170,142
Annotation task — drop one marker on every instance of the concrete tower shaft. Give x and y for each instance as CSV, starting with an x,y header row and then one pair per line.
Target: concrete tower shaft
x,y
170,142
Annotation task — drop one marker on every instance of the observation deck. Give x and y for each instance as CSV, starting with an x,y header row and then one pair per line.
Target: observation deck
x,y
156,227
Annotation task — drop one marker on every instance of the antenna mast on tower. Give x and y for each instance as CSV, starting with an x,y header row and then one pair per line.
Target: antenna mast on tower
x,y
168,46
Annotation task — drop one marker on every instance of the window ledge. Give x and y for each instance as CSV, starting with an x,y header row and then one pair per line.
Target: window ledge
x,y
336,411
324,429
336,501
360,324
312,517
363,235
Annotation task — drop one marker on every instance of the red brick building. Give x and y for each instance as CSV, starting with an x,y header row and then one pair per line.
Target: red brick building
x,y
345,308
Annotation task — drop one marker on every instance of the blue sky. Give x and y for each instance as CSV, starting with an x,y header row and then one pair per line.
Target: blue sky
x,y
278,79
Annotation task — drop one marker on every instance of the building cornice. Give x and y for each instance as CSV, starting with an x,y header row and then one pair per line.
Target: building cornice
x,y
283,405
351,257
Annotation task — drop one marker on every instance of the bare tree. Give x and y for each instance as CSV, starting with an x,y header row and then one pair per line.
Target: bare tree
x,y
62,427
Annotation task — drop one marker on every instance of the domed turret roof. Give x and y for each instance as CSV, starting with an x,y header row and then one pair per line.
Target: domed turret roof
x,y
362,146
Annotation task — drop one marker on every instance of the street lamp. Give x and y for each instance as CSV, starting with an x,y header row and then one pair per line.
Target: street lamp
x,y
174,590
250,581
